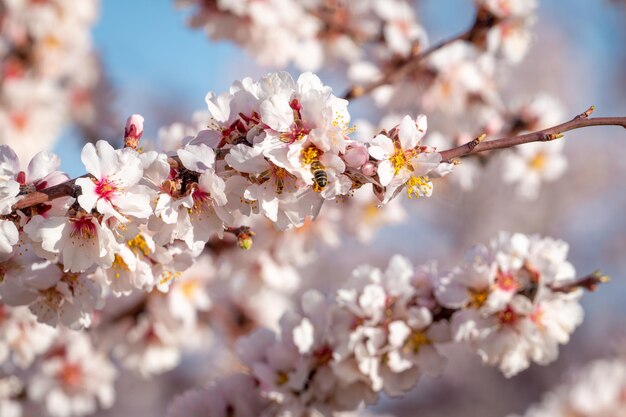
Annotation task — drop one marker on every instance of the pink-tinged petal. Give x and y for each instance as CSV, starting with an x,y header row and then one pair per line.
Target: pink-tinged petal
x,y
431,361
215,186
270,207
422,125
198,158
90,159
423,163
277,113
14,294
42,164
219,106
333,162
129,169
247,159
398,332
407,133
106,208
47,231
381,147
8,236
135,203
356,156
88,197
385,172
9,163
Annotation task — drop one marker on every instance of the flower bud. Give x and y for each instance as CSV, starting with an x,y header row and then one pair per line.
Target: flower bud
x,y
368,169
133,131
355,156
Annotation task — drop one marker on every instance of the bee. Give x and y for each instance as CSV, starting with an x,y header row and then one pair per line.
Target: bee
x,y
320,176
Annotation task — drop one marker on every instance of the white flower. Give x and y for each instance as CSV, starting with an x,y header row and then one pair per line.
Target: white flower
x,y
81,242
597,390
533,163
233,395
401,161
189,295
10,388
509,307
75,382
22,338
114,190
153,344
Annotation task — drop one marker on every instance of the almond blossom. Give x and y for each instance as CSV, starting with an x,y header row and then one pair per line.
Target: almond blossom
x,y
114,190
595,390
403,160
74,379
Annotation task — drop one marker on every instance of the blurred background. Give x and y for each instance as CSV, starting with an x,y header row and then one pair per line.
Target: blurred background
x,y
159,68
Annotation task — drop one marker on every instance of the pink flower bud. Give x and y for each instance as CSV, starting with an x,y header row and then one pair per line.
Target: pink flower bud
x,y
355,156
368,169
133,131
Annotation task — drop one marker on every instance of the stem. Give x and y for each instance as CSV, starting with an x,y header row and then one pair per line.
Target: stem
x,y
409,65
483,22
544,135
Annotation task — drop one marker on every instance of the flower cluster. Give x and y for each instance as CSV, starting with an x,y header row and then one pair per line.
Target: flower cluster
x,y
528,166
274,147
310,33
596,390
513,302
49,70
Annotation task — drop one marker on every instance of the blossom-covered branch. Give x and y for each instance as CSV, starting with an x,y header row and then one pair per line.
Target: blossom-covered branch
x,y
384,329
485,20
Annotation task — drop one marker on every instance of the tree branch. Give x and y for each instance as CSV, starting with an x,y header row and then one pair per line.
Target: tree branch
x,y
483,22
545,135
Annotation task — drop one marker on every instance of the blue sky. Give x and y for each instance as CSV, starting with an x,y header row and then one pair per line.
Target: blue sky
x,y
157,64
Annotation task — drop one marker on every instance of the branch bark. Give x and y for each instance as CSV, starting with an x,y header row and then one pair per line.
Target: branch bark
x,y
545,135
475,146
483,22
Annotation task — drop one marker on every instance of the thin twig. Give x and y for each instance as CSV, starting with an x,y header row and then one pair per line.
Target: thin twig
x,y
544,135
589,283
402,70
483,22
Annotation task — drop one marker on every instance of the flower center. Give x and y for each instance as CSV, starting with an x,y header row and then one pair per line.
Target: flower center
x,y
309,155
83,228
200,198
398,160
506,281
139,245
119,265
416,340
105,188
508,316
418,187
478,297
538,162
71,375
189,287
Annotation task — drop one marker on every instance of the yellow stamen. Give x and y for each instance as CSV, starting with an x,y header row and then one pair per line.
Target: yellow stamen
x,y
139,245
478,297
418,187
309,155
415,341
538,162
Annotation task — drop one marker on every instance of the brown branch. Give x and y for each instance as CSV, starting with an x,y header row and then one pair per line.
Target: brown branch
x,y
483,22
544,135
69,189
406,67
66,189
589,283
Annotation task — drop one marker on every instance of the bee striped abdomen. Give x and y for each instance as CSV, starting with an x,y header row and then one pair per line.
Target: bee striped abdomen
x,y
319,174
